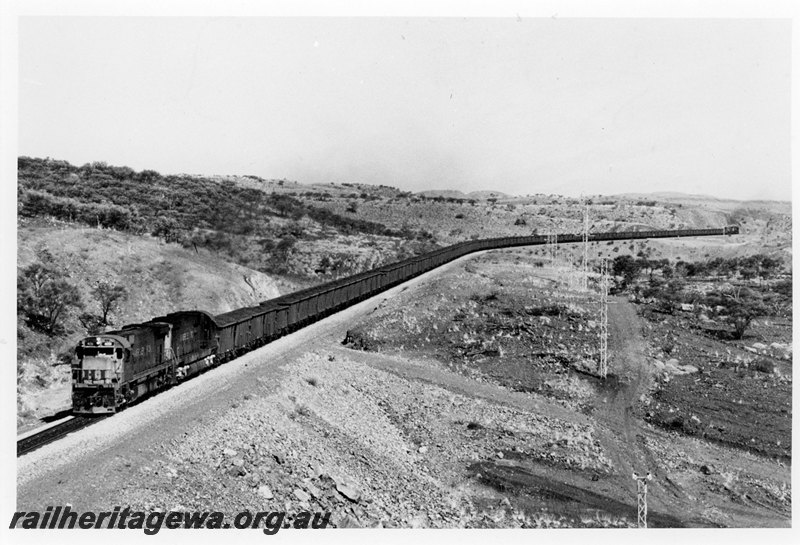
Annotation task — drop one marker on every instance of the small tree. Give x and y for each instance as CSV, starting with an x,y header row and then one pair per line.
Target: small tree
x,y
668,295
285,245
770,266
166,228
44,296
626,267
266,244
108,296
92,323
740,306
748,273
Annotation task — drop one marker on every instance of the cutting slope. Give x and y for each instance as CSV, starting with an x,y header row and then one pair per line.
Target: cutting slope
x,y
159,278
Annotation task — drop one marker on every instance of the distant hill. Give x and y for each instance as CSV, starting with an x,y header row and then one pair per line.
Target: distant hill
x,y
455,194
446,193
489,195
665,195
709,201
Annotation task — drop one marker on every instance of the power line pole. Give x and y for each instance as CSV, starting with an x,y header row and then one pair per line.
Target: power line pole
x,y
574,278
604,281
585,261
560,260
641,498
548,247
552,248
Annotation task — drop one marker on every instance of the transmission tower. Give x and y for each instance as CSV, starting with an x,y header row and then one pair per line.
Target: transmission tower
x,y
641,498
604,281
585,260
552,248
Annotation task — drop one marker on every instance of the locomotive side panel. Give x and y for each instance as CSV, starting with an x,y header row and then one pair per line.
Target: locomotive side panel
x,y
193,336
150,347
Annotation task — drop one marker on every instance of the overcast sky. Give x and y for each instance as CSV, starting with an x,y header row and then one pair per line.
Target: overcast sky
x,y
516,105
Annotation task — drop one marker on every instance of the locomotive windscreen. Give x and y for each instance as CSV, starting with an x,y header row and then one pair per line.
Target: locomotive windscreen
x,y
102,350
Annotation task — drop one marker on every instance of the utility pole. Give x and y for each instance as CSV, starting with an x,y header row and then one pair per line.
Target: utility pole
x,y
574,278
641,498
604,281
552,248
585,260
557,251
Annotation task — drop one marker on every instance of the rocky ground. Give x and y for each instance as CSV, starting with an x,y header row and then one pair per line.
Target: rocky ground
x,y
360,442
467,398
732,392
497,320
534,334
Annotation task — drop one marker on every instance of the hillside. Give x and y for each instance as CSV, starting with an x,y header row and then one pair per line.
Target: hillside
x,y
322,231
158,277
221,242
248,225
764,226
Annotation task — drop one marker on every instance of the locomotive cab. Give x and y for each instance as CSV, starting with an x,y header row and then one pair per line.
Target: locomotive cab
x,y
730,230
97,373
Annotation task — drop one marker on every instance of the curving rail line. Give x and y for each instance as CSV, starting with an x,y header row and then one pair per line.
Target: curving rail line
x,y
294,311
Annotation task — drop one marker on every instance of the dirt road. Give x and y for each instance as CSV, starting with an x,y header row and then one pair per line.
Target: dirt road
x,y
627,440
630,377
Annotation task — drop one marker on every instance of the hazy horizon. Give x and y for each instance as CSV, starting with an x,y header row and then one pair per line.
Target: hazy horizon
x,y
519,106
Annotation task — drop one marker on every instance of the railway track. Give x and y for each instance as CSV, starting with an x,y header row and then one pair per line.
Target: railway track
x,y
239,331
54,433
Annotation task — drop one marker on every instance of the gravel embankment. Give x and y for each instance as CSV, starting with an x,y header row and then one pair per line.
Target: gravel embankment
x,y
374,448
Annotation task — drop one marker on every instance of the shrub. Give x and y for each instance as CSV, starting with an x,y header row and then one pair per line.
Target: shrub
x,y
739,307
44,295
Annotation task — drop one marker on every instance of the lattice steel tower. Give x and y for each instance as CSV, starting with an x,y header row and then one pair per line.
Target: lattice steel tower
x,y
604,282
552,247
641,498
585,260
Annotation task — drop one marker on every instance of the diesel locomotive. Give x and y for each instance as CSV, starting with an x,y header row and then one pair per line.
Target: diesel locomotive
x,y
114,369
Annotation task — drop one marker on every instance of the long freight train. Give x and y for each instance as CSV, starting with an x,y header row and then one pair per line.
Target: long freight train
x,y
114,369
